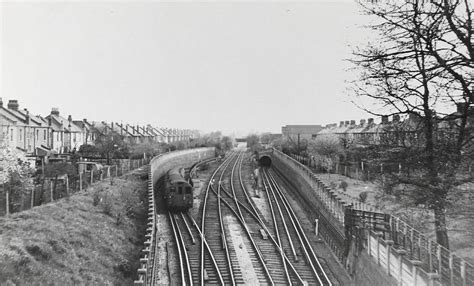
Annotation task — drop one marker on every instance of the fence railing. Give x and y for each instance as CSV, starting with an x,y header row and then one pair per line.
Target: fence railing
x,y
428,260
47,190
362,170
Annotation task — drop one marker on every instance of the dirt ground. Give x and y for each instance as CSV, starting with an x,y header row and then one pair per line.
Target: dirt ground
x,y
78,240
460,216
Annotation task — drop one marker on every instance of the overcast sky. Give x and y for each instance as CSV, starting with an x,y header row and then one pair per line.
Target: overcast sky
x,y
231,66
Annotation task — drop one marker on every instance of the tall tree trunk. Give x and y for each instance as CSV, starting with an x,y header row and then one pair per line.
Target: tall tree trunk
x,y
440,224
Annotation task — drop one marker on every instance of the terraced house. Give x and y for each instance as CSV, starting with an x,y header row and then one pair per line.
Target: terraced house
x,y
55,134
20,129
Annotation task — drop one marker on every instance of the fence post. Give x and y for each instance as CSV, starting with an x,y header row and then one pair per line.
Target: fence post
x,y
80,181
438,254
33,196
430,259
389,244
316,227
451,269
67,185
51,190
116,170
92,176
7,199
463,273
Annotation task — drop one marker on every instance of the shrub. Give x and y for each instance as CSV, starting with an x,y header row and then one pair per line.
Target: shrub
x,y
363,197
131,202
343,185
106,205
95,198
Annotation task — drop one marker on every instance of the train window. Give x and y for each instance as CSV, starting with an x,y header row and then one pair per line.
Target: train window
x,y
188,190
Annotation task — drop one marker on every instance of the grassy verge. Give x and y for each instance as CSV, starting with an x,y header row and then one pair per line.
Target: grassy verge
x,y
92,237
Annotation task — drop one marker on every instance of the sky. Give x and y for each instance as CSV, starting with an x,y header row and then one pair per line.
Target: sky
x,y
238,67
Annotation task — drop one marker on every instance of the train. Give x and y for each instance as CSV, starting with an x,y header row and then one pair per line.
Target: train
x,y
178,190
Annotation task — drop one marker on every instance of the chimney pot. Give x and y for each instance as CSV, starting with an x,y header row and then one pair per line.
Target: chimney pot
x,y
69,118
13,104
1,102
55,111
370,121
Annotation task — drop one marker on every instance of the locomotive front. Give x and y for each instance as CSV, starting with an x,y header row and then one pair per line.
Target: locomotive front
x,y
179,193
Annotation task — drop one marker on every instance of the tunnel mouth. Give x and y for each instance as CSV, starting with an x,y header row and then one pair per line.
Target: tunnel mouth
x,y
265,161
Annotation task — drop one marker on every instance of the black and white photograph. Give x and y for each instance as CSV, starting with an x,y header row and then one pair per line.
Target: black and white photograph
x,y
237,142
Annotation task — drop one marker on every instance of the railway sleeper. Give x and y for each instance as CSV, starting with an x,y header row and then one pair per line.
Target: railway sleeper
x,y
206,276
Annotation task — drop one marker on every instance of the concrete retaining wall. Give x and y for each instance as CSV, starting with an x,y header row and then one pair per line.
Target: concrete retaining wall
x,y
327,207
159,165
379,263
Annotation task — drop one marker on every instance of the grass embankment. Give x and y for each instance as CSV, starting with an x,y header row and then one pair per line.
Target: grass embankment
x,y
459,215
92,237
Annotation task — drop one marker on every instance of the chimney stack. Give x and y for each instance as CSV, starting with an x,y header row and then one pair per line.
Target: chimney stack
x,y
347,122
341,124
13,104
362,122
27,116
353,122
1,102
384,119
396,118
370,121
69,119
55,111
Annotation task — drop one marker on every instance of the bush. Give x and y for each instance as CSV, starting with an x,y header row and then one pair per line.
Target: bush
x,y
106,205
130,202
343,185
95,198
363,197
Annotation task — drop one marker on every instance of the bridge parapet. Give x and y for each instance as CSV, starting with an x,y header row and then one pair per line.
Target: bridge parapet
x,y
396,248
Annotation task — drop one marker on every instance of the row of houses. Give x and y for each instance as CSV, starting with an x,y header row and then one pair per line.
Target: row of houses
x,y
39,135
397,131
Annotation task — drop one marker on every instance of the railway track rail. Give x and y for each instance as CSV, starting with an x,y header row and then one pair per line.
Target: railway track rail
x,y
228,212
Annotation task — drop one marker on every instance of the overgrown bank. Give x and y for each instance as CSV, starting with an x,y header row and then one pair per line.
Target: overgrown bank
x,y
92,237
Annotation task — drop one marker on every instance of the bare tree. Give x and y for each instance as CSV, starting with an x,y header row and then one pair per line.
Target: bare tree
x,y
422,66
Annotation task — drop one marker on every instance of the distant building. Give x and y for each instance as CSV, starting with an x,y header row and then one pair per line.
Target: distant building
x,y
301,132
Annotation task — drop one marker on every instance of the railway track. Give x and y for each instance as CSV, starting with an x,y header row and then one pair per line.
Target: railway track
x,y
235,245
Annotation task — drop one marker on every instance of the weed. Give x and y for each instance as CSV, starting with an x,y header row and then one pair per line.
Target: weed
x,y
363,197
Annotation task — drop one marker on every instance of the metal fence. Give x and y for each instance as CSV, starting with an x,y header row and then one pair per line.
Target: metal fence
x,y
419,251
51,189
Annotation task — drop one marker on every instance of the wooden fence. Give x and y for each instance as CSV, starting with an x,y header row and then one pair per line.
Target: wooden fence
x,y
51,189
